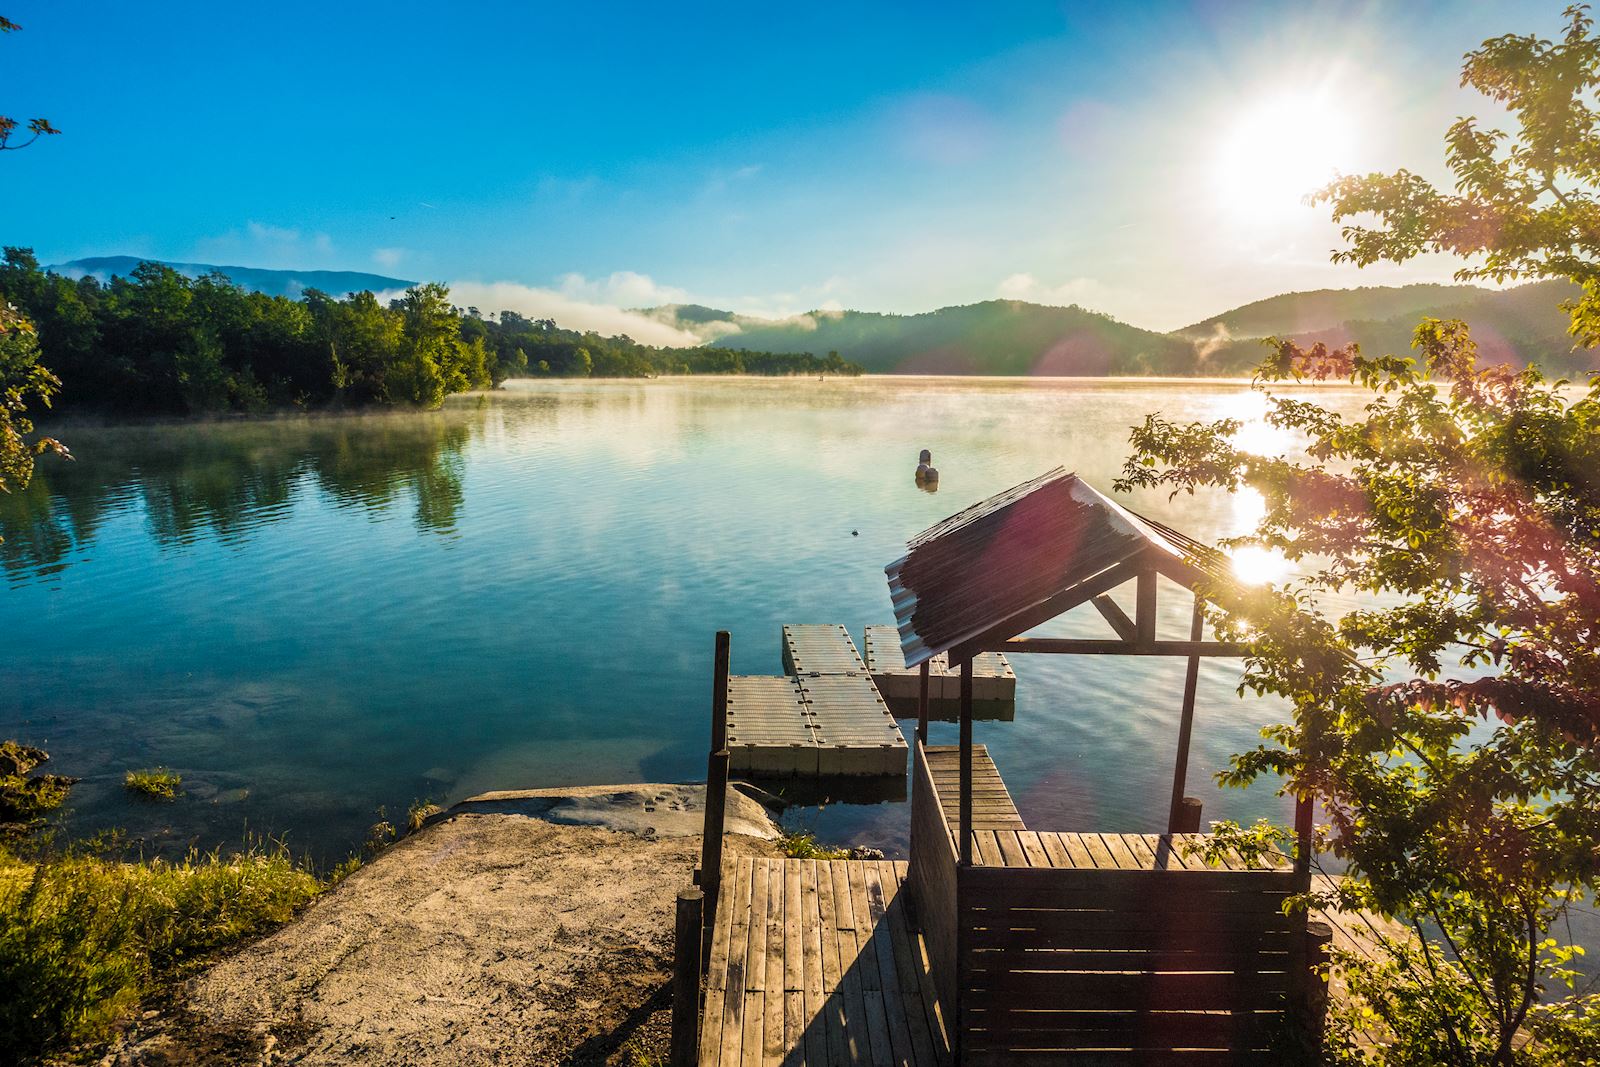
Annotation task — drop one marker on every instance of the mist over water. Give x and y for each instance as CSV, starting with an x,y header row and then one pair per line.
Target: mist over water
x,y
313,618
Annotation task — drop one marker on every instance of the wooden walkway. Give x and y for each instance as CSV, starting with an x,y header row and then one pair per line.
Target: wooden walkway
x,y
992,807
815,962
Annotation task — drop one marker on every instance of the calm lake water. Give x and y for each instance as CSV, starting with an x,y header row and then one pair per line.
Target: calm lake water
x,y
313,618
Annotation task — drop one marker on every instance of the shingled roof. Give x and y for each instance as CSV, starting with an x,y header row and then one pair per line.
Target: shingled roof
x,y
1001,559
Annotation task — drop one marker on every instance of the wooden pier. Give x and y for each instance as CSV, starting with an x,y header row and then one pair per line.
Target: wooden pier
x,y
815,962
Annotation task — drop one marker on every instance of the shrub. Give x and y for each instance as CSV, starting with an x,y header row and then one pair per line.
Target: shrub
x,y
157,783
802,845
82,938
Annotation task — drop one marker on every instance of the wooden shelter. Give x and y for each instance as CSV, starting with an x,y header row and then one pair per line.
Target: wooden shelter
x,y
1053,946
998,943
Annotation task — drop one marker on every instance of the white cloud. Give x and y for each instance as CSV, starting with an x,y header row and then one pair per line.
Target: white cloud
x,y
624,288
388,258
569,311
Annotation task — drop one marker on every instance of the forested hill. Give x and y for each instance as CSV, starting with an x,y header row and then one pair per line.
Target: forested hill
x,y
157,341
290,283
1520,326
994,337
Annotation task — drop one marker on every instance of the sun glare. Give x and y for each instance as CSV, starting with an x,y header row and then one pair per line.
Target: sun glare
x,y
1279,148
1254,565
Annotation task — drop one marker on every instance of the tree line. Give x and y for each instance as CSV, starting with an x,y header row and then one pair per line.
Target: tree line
x,y
160,342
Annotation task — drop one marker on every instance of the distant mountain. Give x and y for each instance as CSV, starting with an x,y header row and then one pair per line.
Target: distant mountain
x,y
272,282
1298,313
1520,326
994,337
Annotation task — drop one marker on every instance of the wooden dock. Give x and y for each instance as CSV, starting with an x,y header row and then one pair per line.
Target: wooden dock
x,y
994,683
992,806
815,962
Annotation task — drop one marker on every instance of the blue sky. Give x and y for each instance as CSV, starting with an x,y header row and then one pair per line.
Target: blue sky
x,y
1136,159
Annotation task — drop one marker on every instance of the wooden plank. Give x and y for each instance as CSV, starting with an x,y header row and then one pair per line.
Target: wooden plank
x,y
716,983
872,977
816,1013
1005,1057
883,942
774,1040
1077,851
907,964
858,1028
1118,992
1053,895
832,978
1011,849
1171,940
1050,929
735,899
1006,879
1124,857
1056,850
755,969
1248,957
1032,849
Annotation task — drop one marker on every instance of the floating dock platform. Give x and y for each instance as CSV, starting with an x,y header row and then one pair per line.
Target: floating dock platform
x,y
824,718
994,683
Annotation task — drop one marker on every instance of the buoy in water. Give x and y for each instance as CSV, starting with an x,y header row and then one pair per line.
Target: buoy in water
x,y
927,473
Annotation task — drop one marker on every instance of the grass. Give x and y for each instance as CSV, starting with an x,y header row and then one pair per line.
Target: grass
x,y
155,783
83,938
802,845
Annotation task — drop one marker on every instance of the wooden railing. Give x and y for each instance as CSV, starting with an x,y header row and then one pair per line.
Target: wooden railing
x,y
1153,961
932,881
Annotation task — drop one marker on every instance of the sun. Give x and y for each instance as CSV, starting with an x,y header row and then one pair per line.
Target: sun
x,y
1275,149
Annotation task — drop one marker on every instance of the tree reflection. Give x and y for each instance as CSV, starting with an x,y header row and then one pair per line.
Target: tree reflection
x,y
221,481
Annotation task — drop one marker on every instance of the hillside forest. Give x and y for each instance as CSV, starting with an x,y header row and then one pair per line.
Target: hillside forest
x,y
160,342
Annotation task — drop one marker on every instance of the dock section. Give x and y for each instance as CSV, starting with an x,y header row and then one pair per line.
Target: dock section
x,y
994,683
816,962
825,718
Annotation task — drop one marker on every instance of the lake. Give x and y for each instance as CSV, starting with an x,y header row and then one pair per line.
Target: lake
x,y
315,618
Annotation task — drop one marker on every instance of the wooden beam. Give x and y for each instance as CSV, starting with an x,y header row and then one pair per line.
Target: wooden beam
x,y
922,703
1144,616
1118,618
1191,682
719,693
1089,647
966,763
1062,602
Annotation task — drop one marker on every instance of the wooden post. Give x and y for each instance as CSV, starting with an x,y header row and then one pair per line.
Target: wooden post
x,y
1186,820
966,763
1302,844
1319,935
719,693
1191,682
922,704
716,782
685,1048
1144,616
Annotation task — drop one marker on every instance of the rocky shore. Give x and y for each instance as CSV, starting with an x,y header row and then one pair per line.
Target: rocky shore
x,y
516,927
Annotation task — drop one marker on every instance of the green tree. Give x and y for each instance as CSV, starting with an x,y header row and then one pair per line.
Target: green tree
x,y
1449,725
22,379
1526,202
9,126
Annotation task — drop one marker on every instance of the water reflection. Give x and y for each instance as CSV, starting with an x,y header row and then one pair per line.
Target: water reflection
x,y
221,482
